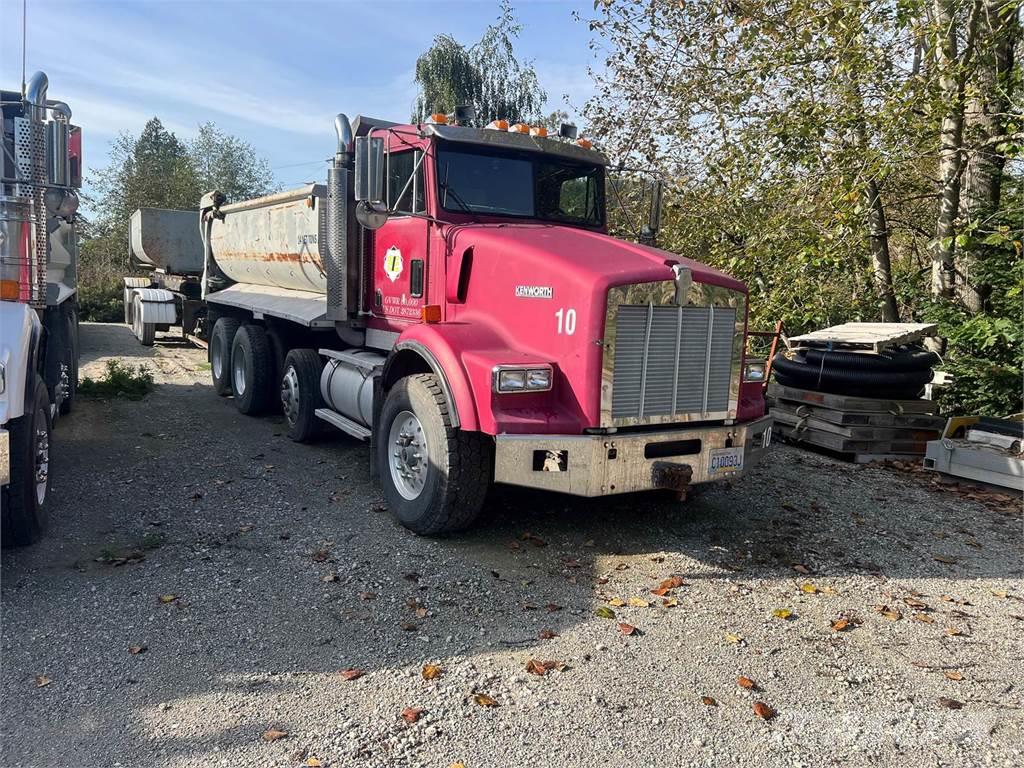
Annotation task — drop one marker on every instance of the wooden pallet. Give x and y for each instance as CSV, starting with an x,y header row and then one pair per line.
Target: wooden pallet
x,y
876,336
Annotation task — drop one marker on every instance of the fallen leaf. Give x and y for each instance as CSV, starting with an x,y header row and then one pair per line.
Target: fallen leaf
x,y
408,626
514,545
539,668
670,602
889,613
245,528
840,624
534,539
782,613
604,612
617,602
746,682
431,671
411,714
602,580
947,559
135,650
708,701
312,762
800,568
953,675
351,674
552,607
329,577
168,598
729,636
421,612
660,591
273,734
954,632
547,634
672,582
950,703
924,618
638,602
809,588
367,595
915,603
320,556
42,681
763,711
1001,593
628,629
457,765
484,700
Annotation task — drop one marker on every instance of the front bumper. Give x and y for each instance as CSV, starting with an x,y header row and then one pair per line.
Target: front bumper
x,y
602,465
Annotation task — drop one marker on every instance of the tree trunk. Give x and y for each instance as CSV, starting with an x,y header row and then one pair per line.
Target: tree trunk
x,y
881,266
983,174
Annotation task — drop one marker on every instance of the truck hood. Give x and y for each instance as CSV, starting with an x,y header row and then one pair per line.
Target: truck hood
x,y
597,258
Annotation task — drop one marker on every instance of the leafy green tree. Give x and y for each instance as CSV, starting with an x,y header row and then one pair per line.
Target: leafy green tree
x,y
228,164
486,76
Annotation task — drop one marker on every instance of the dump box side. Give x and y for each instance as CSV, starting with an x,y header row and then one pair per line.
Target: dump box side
x,y
167,240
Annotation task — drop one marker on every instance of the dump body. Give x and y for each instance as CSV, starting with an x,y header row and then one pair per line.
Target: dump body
x,y
273,240
167,240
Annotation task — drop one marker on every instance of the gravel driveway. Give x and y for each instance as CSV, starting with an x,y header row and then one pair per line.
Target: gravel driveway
x,y
206,582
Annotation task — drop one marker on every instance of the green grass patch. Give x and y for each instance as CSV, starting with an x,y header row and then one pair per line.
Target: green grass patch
x,y
121,380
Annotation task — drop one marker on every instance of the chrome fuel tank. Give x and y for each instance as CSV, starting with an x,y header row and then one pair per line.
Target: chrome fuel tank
x,y
274,240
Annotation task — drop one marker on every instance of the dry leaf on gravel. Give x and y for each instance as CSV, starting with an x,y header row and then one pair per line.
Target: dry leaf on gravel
x,y
457,765
746,682
273,734
809,588
367,595
484,700
953,675
431,671
604,612
672,582
1000,593
329,577
954,631
42,681
670,602
915,603
890,613
312,762
628,629
421,612
950,703
782,613
541,668
841,624
924,618
638,602
534,539
135,650
800,568
408,626
763,711
552,607
547,634
708,701
170,598
732,638
321,556
351,673
617,602
411,714
947,559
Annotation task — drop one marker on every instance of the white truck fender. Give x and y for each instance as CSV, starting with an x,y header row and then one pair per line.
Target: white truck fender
x,y
157,305
20,330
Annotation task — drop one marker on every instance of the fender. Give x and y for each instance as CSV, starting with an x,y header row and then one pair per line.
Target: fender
x,y
429,342
158,305
21,341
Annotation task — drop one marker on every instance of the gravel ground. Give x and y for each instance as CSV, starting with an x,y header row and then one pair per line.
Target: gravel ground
x,y
252,571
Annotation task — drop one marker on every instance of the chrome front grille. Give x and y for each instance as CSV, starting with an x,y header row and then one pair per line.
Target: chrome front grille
x,y
666,362
672,360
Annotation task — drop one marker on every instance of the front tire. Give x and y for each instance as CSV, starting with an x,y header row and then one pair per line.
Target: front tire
x,y
221,339
24,514
300,393
251,370
435,477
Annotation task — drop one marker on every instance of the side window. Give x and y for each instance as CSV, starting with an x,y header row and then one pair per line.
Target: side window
x,y
400,167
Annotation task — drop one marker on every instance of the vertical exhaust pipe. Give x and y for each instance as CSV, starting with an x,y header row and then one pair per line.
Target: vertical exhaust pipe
x,y
338,227
35,95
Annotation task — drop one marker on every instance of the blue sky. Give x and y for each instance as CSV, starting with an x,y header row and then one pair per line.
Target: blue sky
x,y
273,72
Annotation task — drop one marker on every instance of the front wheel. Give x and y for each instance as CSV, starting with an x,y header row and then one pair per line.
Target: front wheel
x,y
24,513
435,477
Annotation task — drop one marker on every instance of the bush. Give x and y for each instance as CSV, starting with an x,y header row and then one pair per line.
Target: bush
x,y
122,380
101,303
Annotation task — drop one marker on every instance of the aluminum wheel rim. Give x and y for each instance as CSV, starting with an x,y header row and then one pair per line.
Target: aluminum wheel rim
x,y
410,463
217,358
41,462
290,395
238,369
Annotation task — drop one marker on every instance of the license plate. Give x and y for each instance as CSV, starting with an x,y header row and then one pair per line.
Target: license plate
x,y
725,461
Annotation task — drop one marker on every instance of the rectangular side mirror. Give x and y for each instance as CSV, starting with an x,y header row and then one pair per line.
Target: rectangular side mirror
x,y
369,186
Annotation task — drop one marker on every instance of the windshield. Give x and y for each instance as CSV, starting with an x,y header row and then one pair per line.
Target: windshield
x,y
520,184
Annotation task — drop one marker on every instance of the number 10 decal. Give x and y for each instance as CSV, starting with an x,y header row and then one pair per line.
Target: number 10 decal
x,y
566,321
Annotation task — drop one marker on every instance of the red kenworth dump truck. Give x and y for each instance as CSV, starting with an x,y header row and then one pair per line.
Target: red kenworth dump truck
x,y
452,295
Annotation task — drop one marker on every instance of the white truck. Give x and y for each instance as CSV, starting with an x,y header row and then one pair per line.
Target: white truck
x,y
40,171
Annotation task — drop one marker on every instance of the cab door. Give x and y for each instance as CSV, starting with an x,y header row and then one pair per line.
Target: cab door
x,y
400,247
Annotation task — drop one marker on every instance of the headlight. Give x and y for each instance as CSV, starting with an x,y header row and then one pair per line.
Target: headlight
x,y
753,370
512,379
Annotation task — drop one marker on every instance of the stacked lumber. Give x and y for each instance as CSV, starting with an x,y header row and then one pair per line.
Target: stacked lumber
x,y
862,429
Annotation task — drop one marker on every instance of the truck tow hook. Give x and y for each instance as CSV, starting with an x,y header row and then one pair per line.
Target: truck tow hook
x,y
672,477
